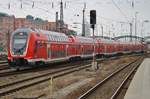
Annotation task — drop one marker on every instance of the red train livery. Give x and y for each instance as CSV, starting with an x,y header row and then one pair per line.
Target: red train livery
x,y
32,46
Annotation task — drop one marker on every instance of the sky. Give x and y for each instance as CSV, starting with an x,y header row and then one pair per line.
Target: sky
x,y
113,15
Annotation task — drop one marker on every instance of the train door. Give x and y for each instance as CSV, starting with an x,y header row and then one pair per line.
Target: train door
x,y
40,49
48,50
67,51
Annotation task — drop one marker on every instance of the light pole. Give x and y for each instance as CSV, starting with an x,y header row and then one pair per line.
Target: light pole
x,y
83,20
102,30
131,31
136,24
142,27
61,16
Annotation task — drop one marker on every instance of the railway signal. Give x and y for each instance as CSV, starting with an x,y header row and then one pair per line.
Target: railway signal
x,y
93,23
93,17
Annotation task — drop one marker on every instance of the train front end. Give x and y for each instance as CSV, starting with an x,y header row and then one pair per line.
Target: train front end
x,y
18,46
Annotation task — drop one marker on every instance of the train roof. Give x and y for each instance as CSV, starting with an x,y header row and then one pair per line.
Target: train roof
x,y
27,30
80,39
51,35
117,41
107,40
55,36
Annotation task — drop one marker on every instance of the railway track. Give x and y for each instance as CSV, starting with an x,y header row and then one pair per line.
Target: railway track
x,y
27,82
18,85
2,62
97,91
12,72
6,71
120,92
4,66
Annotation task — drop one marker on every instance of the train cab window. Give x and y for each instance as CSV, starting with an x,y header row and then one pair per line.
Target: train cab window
x,y
19,42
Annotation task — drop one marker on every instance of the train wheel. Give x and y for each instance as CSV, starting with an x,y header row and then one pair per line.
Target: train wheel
x,y
17,69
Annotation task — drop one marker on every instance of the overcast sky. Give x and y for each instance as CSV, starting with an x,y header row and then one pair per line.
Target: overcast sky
x,y
114,15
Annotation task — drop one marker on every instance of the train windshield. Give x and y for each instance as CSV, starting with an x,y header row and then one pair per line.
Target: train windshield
x,y
19,42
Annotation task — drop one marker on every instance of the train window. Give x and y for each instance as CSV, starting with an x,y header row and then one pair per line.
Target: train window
x,y
55,38
52,38
59,38
62,38
48,38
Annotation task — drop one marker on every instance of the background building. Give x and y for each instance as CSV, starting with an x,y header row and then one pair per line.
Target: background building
x,y
6,27
9,23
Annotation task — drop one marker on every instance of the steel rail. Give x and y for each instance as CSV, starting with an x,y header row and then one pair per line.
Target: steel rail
x,y
91,90
38,80
124,82
2,62
4,66
14,72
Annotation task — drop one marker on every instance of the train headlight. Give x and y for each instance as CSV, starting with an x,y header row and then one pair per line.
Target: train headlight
x,y
20,33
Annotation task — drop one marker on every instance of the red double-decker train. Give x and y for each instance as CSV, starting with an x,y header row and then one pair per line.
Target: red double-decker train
x,y
29,47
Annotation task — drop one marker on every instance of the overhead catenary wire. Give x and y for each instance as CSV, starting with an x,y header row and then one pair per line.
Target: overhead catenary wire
x,y
120,10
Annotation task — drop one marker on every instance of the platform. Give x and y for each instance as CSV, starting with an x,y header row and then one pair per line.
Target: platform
x,y
140,85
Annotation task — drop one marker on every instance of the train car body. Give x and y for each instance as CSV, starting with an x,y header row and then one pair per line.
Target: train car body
x,y
31,46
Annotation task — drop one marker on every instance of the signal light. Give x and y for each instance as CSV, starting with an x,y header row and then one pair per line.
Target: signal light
x,y
93,17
